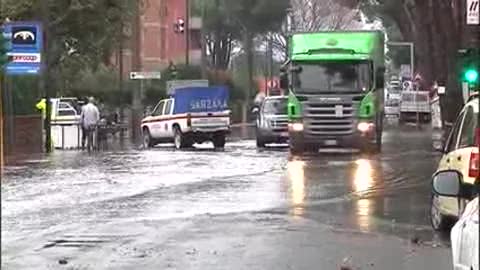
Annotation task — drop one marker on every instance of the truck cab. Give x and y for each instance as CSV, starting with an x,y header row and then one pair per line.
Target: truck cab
x,y
336,90
190,115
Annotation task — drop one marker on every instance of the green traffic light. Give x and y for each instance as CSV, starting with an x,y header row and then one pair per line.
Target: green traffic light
x,y
471,75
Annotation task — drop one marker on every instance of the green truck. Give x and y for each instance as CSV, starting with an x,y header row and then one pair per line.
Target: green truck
x,y
336,90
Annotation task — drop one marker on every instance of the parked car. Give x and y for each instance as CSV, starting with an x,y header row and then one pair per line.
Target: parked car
x,y
191,115
460,154
272,121
464,235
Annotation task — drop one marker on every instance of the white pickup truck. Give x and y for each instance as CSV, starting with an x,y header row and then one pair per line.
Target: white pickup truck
x,y
191,115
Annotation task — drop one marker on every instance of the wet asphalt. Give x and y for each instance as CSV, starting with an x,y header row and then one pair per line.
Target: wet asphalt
x,y
240,208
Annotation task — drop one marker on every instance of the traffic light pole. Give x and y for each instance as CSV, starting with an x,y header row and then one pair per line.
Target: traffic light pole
x,y
187,33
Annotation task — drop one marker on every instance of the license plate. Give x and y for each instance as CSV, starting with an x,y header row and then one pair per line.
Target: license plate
x,y
330,142
338,110
284,134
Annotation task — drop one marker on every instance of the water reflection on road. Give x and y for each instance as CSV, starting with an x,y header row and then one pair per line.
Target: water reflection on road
x,y
73,193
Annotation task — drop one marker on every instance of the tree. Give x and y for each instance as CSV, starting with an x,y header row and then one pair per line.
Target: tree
x,y
219,31
3,51
437,29
256,17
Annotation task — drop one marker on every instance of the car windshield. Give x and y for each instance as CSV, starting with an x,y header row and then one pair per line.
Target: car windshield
x,y
332,77
277,106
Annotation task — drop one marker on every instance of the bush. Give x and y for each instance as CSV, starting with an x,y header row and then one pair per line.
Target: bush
x,y
21,94
102,84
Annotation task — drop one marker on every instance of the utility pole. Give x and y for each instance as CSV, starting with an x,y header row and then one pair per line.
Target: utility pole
x,y
46,75
203,42
187,32
137,66
120,73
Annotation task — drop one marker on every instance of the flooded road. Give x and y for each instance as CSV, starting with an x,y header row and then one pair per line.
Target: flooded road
x,y
240,208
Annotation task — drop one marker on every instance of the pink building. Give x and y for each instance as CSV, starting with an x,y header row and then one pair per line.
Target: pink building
x,y
154,43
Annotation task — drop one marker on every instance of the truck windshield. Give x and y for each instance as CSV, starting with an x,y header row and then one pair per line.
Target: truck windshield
x,y
276,106
324,77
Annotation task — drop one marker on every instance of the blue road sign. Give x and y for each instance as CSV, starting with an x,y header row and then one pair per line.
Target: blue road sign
x,y
26,42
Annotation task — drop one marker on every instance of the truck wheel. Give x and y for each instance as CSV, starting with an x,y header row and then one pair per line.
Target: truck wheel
x,y
401,119
296,148
427,118
260,140
219,141
147,139
181,140
379,135
372,148
260,143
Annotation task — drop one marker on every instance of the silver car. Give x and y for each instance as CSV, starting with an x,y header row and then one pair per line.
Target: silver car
x,y
272,121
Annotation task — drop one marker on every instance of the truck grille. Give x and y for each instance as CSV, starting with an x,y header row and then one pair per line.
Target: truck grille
x,y
331,117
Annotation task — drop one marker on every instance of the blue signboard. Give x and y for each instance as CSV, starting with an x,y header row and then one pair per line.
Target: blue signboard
x,y
201,99
26,42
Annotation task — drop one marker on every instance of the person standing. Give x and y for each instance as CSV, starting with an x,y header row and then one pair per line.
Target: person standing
x,y
89,118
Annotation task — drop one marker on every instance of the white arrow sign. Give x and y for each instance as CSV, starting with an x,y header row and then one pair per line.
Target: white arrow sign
x,y
143,75
473,12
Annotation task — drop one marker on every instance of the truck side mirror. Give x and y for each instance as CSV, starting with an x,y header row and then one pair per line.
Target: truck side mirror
x,y
284,83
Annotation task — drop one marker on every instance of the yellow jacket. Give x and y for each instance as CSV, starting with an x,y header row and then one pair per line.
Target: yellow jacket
x,y
42,106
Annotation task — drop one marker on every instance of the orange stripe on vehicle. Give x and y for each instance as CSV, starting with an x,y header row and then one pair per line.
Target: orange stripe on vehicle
x,y
182,117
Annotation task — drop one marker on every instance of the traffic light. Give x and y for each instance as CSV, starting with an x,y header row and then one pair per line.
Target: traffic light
x,y
471,75
179,26
469,61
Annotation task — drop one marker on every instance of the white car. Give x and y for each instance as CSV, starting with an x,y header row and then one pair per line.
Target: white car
x,y
464,235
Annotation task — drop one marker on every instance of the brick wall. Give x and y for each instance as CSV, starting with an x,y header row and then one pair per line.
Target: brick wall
x,y
25,136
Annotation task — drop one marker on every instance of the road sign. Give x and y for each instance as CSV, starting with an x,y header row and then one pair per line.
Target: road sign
x,y
172,85
144,75
473,12
26,42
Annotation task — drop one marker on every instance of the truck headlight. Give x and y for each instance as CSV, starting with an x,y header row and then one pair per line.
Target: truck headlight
x,y
297,127
364,126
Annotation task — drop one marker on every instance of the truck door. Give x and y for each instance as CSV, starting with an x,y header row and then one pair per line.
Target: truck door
x,y
167,130
155,127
